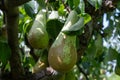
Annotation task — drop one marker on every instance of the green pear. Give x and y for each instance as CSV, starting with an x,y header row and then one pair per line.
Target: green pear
x,y
38,36
62,54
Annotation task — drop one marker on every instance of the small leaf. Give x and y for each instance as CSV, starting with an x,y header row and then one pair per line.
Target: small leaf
x,y
4,53
76,3
53,27
70,2
100,2
118,60
99,45
74,28
61,10
91,50
86,16
82,6
27,25
30,9
92,2
112,54
95,3
41,3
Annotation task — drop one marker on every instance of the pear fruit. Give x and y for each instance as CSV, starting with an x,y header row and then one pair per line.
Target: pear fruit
x,y
62,54
38,36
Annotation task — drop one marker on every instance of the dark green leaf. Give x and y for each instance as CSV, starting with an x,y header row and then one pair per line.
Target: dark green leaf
x,y
4,53
70,2
118,60
53,27
76,3
91,50
112,54
41,3
30,9
99,45
95,3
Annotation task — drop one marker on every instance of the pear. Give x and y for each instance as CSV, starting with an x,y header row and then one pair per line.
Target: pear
x,y
38,36
62,54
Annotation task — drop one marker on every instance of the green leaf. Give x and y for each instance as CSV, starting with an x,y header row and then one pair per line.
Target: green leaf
x,y
61,10
53,27
95,3
111,54
86,16
70,75
82,6
75,27
92,2
99,45
118,60
100,2
70,2
5,53
30,9
91,50
41,3
76,3
27,25
113,77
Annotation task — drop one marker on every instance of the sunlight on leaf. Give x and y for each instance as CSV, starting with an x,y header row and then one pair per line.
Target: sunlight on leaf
x,y
87,17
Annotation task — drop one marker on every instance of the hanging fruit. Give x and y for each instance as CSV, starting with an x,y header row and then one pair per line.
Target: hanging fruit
x,y
38,36
62,54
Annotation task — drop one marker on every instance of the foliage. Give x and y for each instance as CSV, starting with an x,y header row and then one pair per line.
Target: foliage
x,y
101,52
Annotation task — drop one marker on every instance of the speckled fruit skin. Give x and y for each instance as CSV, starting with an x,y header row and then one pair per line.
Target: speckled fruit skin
x,y
62,54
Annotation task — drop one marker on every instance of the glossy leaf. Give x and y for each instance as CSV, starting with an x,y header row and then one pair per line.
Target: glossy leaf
x,y
30,9
87,17
82,6
75,27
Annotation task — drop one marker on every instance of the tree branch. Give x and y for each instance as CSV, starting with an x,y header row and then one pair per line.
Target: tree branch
x,y
84,39
14,3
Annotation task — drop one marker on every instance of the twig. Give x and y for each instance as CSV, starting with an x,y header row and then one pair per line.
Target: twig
x,y
84,39
67,8
33,54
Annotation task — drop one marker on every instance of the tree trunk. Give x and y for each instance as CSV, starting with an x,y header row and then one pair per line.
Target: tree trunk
x,y
12,20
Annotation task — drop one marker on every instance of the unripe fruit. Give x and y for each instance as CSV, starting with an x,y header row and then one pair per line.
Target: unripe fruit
x,y
38,36
62,54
